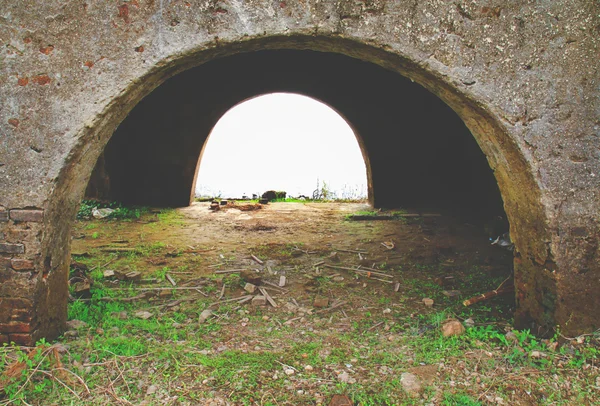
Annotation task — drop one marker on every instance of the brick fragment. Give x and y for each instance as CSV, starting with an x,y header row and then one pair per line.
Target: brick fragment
x,y
33,215
6,248
19,264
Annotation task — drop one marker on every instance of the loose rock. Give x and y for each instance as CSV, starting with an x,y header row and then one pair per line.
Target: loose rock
x,y
144,315
321,301
452,328
205,315
259,300
411,383
428,302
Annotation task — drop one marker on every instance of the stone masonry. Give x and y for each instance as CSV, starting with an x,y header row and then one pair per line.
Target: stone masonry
x,y
523,76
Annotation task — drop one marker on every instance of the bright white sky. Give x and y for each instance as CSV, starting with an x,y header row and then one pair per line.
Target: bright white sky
x,y
283,142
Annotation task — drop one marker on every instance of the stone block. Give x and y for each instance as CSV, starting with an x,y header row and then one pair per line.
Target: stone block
x,y
19,264
34,216
6,248
3,214
259,300
2,236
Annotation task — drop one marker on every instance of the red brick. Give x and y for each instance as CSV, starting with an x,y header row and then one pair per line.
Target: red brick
x,y
4,339
16,327
23,315
27,215
22,339
14,306
22,264
6,248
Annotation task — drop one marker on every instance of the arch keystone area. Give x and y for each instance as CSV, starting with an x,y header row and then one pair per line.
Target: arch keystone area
x,y
532,110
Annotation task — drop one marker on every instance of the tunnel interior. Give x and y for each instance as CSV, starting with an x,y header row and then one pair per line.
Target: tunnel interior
x,y
418,152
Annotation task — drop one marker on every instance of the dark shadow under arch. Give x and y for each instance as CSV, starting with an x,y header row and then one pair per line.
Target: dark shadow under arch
x,y
417,150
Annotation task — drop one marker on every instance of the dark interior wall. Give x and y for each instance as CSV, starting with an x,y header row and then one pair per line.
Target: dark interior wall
x,y
420,152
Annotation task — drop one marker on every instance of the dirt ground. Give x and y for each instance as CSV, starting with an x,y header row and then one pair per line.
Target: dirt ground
x,y
291,237
360,319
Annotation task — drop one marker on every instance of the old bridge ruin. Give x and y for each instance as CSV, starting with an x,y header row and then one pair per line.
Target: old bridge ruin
x,y
521,76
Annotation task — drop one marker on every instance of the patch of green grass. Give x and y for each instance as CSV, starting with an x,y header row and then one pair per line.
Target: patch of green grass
x,y
120,212
458,399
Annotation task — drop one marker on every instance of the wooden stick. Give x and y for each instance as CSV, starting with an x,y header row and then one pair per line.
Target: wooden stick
x,y
230,271
488,295
267,296
501,289
155,288
230,300
358,270
369,269
170,279
257,259
331,308
351,251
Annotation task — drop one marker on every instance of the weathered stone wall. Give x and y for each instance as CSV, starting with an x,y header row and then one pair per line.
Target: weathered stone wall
x,y
522,75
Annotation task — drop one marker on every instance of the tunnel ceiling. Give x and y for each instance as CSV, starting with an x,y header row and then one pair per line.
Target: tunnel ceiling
x,y
420,153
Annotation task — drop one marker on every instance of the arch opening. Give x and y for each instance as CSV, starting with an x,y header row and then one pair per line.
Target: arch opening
x,y
284,142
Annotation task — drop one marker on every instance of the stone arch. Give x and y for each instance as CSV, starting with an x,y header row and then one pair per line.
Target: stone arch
x,y
520,191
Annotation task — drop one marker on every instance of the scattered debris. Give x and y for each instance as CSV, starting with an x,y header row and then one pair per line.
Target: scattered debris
x,y
452,328
321,302
102,213
411,384
170,279
267,296
249,287
205,315
282,281
258,261
451,293
230,271
259,300
428,302
389,245
504,241
507,286
142,314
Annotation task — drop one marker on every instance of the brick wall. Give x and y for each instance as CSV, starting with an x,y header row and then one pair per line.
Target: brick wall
x,y
21,270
